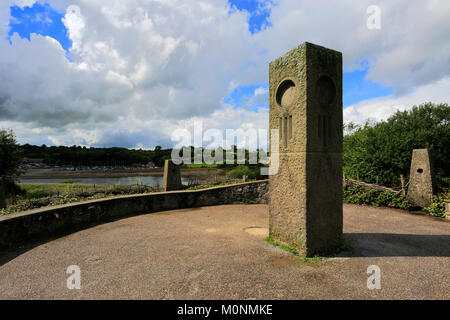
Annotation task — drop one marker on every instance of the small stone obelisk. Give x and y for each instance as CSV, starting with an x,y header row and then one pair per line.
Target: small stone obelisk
x,y
172,176
421,183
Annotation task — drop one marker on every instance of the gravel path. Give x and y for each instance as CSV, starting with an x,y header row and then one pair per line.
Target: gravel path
x,y
219,253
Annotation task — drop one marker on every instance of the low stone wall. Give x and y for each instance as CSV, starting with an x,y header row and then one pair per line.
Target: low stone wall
x,y
46,222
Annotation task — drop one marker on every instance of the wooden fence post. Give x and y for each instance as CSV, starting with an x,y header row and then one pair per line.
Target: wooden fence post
x,y
402,179
377,182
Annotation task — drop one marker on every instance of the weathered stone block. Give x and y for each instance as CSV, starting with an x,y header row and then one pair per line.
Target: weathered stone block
x,y
421,183
306,107
172,176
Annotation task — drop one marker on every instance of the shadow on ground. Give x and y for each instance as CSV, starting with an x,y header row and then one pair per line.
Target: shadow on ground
x,y
363,244
8,254
397,245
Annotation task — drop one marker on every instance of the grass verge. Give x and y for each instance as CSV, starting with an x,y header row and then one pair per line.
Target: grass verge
x,y
319,256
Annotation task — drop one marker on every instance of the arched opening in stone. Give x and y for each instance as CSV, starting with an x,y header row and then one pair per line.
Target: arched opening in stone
x,y
286,94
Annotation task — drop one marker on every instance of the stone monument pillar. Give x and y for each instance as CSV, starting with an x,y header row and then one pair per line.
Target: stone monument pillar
x,y
172,176
421,186
305,209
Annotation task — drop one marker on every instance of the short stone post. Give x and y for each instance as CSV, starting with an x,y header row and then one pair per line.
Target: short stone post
x,y
421,185
305,207
172,176
447,209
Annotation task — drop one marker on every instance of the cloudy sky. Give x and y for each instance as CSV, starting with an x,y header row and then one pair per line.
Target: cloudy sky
x,y
128,73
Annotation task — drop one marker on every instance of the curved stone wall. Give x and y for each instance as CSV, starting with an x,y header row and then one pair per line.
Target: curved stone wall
x,y
60,220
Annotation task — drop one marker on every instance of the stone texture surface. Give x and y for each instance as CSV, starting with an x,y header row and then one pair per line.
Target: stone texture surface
x,y
55,221
213,253
421,184
172,176
306,107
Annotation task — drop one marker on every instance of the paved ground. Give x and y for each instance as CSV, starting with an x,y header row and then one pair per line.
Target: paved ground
x,y
209,253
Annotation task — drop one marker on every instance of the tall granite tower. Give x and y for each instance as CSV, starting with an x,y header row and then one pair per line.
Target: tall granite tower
x,y
306,107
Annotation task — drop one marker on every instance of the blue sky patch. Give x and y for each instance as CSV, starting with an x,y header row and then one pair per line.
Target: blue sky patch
x,y
357,88
259,12
244,97
40,19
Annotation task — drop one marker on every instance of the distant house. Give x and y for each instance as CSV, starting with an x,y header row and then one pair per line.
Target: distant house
x,y
32,161
29,163
150,165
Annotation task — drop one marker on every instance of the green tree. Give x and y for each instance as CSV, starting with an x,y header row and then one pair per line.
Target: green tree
x,y
252,172
10,161
384,149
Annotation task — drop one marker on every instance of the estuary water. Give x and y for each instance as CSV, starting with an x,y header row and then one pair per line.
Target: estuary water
x,y
151,181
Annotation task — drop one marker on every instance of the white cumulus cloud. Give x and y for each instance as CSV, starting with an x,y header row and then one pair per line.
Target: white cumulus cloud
x,y
140,69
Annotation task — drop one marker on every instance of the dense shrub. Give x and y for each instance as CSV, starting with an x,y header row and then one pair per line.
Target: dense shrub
x,y
376,198
252,172
10,160
437,209
384,149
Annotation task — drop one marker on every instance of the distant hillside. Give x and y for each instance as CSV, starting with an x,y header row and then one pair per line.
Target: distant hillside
x,y
82,156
